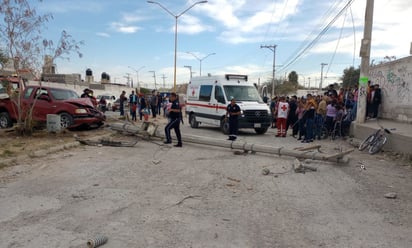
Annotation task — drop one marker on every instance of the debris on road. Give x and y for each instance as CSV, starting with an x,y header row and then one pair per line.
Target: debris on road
x,y
233,179
96,242
156,161
265,171
299,167
105,142
391,195
311,168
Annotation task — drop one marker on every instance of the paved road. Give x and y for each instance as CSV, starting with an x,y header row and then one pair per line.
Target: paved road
x,y
196,196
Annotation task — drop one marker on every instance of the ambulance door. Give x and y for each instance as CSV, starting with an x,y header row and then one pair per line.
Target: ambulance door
x,y
219,104
205,110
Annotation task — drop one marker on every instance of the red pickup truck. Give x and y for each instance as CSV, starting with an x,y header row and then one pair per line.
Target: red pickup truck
x,y
73,110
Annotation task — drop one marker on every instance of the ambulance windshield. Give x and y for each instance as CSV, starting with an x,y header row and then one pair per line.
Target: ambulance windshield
x,y
242,93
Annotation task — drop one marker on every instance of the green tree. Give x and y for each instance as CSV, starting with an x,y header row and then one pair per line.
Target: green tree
x,y
293,79
287,88
350,77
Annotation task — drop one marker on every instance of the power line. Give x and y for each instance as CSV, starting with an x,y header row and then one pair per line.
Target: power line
x,y
313,42
309,37
337,45
354,38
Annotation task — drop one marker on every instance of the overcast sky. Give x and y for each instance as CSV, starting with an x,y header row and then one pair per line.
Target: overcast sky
x,y
122,34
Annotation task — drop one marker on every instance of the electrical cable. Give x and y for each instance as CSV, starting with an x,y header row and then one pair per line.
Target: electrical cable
x,y
313,42
354,38
266,33
337,45
308,38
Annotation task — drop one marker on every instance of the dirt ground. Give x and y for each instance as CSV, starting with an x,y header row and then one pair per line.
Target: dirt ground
x,y
13,145
155,195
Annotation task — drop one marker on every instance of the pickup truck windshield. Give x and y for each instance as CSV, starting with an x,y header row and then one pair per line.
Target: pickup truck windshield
x,y
62,94
242,93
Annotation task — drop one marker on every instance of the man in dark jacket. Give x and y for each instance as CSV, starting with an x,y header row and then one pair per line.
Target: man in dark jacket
x,y
142,105
153,103
292,117
376,100
122,100
233,112
174,121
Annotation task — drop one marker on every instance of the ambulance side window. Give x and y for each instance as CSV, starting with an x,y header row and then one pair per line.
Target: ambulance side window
x,y
220,98
205,92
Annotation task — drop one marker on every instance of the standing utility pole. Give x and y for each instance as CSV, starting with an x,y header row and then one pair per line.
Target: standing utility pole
x,y
154,76
190,69
321,75
200,60
365,57
137,76
128,79
164,77
176,17
273,48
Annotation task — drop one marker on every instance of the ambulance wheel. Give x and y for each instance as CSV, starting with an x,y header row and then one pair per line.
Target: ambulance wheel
x,y
193,122
261,130
224,126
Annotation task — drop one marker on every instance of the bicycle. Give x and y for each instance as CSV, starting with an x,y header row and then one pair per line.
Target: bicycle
x,y
375,141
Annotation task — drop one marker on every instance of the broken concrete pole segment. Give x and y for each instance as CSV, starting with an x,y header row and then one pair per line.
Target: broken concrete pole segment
x,y
147,128
238,145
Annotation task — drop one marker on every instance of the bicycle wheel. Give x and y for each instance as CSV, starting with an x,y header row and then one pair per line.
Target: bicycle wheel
x,y
366,142
378,144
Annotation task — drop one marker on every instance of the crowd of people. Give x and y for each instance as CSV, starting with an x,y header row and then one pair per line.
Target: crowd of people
x,y
309,116
138,104
141,105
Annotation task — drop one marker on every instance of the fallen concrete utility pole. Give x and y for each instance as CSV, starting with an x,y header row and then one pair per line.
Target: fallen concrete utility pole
x,y
239,145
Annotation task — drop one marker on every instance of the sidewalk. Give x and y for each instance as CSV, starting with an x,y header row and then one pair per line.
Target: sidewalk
x,y
400,139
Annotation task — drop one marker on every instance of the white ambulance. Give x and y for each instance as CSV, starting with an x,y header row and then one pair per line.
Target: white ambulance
x,y
208,98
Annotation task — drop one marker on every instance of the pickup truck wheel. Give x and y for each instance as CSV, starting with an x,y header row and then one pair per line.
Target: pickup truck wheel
x,y
261,130
224,126
193,122
66,120
5,120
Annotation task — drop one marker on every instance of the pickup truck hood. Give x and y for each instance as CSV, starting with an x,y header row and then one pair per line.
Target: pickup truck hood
x,y
81,102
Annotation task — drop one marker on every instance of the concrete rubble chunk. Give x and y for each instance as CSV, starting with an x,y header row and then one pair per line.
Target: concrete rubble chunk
x,y
391,195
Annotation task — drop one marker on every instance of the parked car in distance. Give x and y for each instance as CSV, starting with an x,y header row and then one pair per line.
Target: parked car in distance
x,y
110,99
41,101
116,105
